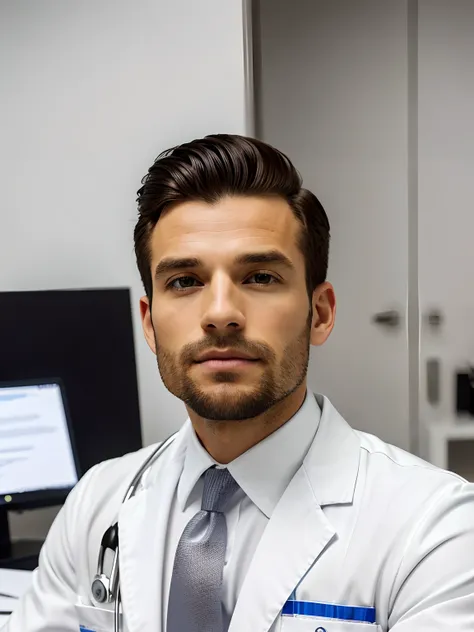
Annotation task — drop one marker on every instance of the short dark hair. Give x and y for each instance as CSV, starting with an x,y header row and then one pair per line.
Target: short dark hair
x,y
216,166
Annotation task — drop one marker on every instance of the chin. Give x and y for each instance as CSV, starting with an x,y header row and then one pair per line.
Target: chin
x,y
229,402
226,388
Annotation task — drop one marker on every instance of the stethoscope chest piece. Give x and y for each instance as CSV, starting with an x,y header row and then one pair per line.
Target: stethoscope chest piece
x,y
100,588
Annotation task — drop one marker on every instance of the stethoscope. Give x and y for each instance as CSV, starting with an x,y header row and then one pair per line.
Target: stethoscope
x,y
106,589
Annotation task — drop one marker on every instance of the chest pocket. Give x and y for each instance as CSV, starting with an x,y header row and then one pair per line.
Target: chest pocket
x,y
323,624
95,619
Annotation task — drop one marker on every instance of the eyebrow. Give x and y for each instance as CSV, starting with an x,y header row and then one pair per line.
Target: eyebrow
x,y
172,264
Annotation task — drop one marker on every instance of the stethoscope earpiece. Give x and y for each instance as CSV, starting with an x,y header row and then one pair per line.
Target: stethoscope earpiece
x,y
103,588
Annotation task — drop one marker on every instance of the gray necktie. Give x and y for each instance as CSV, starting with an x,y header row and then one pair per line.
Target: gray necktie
x,y
195,601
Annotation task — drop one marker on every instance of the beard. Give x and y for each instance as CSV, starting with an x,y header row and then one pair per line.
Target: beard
x,y
230,402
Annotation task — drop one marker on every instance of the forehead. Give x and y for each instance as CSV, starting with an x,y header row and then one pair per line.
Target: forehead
x,y
225,228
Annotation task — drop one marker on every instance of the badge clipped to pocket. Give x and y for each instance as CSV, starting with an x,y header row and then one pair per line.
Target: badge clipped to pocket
x,y
95,619
311,616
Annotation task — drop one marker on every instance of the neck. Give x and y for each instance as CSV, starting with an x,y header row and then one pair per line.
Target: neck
x,y
226,440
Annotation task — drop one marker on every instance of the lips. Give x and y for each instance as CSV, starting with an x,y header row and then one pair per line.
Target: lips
x,y
227,364
228,355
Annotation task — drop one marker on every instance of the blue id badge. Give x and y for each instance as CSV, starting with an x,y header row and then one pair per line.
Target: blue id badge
x,y
314,616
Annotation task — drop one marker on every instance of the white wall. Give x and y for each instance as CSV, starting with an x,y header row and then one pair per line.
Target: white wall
x,y
91,92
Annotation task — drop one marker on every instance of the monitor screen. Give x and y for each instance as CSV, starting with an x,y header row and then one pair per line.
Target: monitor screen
x,y
37,459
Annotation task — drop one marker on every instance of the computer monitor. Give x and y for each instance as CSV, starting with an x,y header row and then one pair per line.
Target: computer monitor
x,y
85,337
38,463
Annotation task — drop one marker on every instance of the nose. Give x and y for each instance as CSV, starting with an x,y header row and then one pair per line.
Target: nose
x,y
222,313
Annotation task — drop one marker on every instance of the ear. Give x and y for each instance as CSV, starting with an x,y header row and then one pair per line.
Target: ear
x,y
324,313
147,323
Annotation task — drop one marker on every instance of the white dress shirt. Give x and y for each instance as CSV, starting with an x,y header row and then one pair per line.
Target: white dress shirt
x,y
262,473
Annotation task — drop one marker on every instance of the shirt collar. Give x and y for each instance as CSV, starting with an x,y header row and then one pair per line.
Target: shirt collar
x,y
264,471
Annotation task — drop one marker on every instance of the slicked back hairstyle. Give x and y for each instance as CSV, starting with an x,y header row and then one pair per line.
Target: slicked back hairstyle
x,y
220,165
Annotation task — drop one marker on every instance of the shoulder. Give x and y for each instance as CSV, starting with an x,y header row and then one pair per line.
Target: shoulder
x,y
99,494
384,480
378,473
117,469
107,482
426,518
392,464
410,494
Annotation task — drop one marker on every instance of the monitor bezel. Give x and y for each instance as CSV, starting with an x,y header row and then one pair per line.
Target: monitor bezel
x,y
46,497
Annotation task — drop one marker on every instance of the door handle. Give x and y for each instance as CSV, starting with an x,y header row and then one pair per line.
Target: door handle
x,y
390,318
434,318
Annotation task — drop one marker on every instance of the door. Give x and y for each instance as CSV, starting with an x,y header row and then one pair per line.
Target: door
x,y
446,219
332,92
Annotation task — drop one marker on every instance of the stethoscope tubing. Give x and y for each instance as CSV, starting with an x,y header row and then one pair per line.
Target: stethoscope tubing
x,y
131,491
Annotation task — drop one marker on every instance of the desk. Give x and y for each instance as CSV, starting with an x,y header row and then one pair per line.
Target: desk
x,y
15,583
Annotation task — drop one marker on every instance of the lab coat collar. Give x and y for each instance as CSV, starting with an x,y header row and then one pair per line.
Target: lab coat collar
x,y
264,471
298,532
332,462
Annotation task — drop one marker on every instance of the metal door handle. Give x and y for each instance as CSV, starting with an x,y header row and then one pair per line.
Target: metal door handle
x,y
390,318
434,318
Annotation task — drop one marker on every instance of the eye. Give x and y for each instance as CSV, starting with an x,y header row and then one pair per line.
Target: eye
x,y
182,283
263,278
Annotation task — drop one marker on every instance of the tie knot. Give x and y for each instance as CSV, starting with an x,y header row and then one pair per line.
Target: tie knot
x,y
219,487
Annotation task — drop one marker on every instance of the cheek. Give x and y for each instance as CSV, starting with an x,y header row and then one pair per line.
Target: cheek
x,y
174,328
279,326
167,323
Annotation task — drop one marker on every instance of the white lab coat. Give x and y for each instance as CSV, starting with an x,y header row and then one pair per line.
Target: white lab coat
x,y
362,523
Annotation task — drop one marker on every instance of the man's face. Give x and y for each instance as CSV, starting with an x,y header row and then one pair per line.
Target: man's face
x,y
229,281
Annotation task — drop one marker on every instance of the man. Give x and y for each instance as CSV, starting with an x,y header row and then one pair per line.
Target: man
x,y
267,512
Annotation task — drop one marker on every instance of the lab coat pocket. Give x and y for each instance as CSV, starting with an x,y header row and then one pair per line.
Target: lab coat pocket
x,y
323,624
95,619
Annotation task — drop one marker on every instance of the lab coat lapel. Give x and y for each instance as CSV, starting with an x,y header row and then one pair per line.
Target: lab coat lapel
x,y
298,532
143,524
294,538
